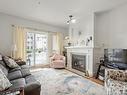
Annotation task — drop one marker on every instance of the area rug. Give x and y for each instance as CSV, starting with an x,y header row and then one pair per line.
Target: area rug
x,y
63,82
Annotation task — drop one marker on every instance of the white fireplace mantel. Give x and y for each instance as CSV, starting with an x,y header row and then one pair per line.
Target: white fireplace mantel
x,y
80,50
78,47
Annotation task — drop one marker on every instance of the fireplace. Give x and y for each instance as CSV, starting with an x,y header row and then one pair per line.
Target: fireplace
x,y
79,62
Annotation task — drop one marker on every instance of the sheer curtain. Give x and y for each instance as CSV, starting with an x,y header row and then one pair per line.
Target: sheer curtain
x,y
56,43
59,42
19,42
19,37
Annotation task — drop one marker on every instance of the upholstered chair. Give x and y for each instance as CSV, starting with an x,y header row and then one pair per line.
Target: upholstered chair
x,y
115,82
57,61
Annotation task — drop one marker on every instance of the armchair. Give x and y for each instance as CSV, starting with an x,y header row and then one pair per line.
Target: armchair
x,y
115,82
57,61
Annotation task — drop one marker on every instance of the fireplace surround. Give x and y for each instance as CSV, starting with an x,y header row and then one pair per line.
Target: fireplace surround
x,y
86,69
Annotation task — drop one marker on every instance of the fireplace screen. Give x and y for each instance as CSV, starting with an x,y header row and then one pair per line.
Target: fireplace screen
x,y
79,62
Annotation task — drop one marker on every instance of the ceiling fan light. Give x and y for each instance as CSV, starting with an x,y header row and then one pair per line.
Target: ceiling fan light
x,y
66,38
73,20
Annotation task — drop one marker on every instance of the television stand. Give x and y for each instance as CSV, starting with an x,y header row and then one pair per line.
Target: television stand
x,y
100,71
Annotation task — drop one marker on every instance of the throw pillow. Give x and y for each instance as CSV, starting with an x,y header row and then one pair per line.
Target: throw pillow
x,y
4,82
10,62
4,70
0,57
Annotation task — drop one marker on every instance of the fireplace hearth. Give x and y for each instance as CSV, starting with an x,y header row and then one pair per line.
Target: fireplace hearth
x,y
79,62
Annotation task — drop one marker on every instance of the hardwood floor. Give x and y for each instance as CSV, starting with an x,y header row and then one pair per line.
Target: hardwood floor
x,y
97,81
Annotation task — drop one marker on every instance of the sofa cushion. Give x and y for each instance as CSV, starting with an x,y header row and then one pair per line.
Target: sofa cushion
x,y
24,67
58,61
10,62
25,72
30,79
14,69
18,83
4,70
14,75
4,82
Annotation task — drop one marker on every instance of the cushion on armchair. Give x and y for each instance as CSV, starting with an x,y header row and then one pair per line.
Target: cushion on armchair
x,y
57,57
117,87
119,75
115,82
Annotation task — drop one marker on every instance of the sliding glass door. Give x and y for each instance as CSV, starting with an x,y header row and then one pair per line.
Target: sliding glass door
x,y
36,48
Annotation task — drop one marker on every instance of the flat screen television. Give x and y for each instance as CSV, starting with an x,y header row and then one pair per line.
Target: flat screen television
x,y
116,58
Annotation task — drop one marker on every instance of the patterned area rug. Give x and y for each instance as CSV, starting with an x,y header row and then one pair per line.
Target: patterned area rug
x,y
63,82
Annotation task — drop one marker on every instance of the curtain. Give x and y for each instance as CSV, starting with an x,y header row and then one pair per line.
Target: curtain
x,y
60,43
49,46
19,37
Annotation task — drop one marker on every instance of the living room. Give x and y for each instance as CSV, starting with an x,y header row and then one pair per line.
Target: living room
x,y
63,47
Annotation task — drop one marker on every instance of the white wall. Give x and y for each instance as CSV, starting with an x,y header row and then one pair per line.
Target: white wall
x,y
6,30
83,25
111,28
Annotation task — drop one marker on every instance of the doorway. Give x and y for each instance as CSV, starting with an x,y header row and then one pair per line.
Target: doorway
x,y
36,48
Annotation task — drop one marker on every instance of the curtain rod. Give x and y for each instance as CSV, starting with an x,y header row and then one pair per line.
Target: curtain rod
x,y
35,29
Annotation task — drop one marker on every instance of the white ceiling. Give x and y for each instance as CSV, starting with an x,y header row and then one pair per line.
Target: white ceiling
x,y
55,12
